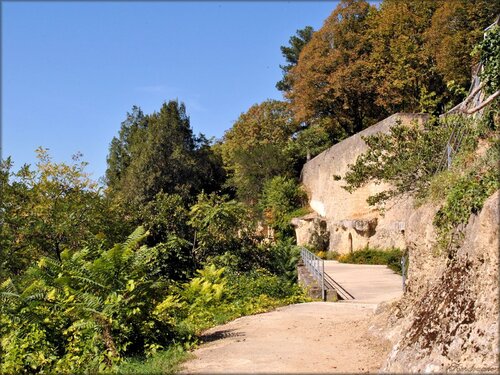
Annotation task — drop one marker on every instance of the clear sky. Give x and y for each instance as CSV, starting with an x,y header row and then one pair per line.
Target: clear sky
x,y
72,70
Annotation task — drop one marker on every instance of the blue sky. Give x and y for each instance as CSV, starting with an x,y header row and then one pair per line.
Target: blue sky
x,y
71,70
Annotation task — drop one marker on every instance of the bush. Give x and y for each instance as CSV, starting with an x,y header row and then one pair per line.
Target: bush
x,y
86,312
281,196
465,197
390,257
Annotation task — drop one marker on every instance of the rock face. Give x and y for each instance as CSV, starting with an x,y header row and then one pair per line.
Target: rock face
x,y
350,222
448,319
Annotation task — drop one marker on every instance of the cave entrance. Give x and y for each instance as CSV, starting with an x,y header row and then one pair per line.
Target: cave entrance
x,y
350,242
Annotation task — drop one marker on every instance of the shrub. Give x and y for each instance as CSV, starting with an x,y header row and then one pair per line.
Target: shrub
x,y
390,257
281,196
85,312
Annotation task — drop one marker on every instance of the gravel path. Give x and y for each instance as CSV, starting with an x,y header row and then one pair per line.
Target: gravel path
x,y
316,337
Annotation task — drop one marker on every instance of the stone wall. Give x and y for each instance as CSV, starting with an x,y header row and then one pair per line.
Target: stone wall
x,y
351,222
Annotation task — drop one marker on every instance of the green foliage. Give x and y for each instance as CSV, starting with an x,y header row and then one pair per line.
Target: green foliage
x,y
465,196
159,152
284,256
406,157
165,216
254,149
390,257
292,53
281,196
309,142
489,52
46,210
429,102
217,222
121,149
86,311
215,297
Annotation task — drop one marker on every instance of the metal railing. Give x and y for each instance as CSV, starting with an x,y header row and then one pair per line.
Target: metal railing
x,y
316,267
458,133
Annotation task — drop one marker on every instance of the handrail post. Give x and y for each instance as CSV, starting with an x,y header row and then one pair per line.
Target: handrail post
x,y
448,155
323,291
403,271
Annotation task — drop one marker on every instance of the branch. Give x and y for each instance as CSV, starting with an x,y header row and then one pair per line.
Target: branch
x,y
483,104
473,93
467,99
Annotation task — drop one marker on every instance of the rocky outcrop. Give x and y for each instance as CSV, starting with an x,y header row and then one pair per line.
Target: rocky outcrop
x,y
312,229
351,223
448,318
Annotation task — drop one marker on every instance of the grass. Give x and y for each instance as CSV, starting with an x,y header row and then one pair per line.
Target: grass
x,y
162,362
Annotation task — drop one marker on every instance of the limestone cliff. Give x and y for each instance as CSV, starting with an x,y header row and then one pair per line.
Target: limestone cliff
x,y
350,223
448,319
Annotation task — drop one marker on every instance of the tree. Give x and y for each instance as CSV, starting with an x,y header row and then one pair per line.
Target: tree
x,y
254,149
291,55
159,152
456,27
121,148
406,158
49,209
280,197
331,84
219,225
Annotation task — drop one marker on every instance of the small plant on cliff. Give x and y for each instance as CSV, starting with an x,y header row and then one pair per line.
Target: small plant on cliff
x,y
466,196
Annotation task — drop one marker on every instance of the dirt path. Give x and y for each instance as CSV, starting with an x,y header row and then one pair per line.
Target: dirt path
x,y
317,337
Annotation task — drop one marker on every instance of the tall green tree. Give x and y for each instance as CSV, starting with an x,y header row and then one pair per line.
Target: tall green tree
x,y
254,149
159,153
291,54
121,149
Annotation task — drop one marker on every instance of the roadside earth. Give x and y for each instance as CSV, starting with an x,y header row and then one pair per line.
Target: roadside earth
x,y
316,337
